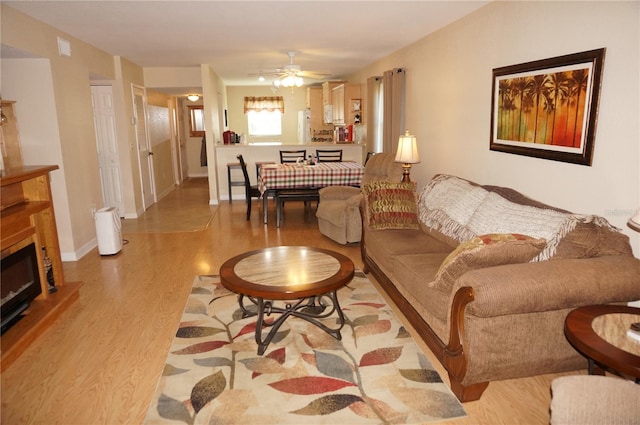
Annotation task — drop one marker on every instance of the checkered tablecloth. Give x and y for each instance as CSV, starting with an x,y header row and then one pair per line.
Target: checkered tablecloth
x,y
287,176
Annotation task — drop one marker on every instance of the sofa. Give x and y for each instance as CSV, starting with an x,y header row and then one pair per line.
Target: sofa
x,y
487,275
338,210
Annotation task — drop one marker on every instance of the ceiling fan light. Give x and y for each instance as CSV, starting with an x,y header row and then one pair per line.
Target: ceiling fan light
x,y
193,97
261,78
288,81
276,83
299,81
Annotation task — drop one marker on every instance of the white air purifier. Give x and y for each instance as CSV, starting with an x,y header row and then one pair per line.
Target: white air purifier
x,y
108,231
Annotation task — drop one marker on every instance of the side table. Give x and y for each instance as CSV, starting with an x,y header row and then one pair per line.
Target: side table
x,y
600,333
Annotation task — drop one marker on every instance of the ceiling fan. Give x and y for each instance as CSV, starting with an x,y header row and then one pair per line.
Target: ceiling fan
x,y
291,74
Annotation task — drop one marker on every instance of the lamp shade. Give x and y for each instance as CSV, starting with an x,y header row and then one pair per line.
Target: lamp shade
x,y
634,221
407,149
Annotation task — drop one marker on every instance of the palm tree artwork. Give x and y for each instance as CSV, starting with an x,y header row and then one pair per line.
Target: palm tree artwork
x,y
546,108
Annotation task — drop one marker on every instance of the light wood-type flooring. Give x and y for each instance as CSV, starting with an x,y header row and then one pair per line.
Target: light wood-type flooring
x,y
100,361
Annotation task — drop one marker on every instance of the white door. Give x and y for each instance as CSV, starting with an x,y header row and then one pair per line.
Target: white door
x,y
145,154
107,145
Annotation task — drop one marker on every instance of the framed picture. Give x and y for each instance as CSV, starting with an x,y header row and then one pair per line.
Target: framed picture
x,y
548,108
355,104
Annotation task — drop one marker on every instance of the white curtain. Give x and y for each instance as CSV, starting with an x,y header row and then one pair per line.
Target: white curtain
x,y
375,120
393,83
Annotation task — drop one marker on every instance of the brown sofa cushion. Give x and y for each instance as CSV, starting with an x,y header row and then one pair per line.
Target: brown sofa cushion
x,y
486,251
385,245
589,239
391,205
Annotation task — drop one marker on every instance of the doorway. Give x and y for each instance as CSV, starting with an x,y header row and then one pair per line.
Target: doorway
x,y
145,154
107,146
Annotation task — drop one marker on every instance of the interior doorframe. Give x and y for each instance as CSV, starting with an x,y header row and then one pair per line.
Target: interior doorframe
x,y
137,90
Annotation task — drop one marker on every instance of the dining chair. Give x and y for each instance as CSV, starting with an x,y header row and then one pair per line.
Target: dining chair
x,y
292,156
249,190
329,155
284,195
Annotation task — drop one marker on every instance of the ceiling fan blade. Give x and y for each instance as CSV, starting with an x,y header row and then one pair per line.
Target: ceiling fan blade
x,y
316,75
268,73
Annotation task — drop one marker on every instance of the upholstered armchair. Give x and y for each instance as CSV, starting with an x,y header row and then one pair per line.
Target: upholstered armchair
x,y
338,210
593,399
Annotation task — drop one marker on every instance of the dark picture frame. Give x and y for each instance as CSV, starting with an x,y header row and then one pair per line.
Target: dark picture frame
x,y
548,108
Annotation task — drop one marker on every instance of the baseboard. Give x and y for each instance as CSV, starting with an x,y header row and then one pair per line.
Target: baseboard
x,y
165,192
79,253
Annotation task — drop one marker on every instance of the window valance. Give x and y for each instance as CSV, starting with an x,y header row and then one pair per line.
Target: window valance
x,y
264,103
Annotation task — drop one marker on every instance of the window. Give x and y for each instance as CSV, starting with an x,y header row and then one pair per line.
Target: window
x,y
264,123
264,115
196,121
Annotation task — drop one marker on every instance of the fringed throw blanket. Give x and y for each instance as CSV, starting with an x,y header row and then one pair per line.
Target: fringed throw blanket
x,y
462,210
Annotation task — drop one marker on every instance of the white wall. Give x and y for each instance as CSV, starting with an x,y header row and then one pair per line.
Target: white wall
x,y
448,101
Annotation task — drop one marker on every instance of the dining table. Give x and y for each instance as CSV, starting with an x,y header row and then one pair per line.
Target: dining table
x,y
302,176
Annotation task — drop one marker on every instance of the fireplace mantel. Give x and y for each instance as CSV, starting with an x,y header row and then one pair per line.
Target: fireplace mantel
x,y
26,212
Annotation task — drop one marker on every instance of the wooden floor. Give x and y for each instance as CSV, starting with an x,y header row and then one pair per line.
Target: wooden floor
x,y
100,361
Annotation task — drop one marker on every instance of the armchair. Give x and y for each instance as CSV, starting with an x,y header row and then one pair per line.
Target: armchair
x,y
338,209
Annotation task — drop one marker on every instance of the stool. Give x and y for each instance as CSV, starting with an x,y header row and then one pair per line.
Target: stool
x,y
233,166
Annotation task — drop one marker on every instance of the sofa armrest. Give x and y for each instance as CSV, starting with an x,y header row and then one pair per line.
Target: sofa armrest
x,y
551,285
338,193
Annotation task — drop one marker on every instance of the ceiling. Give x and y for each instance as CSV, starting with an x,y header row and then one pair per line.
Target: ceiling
x,y
241,37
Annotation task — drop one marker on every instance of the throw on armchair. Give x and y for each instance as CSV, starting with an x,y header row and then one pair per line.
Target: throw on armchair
x,y
338,210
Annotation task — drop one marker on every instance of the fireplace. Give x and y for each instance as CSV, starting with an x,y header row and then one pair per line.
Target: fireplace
x,y
19,284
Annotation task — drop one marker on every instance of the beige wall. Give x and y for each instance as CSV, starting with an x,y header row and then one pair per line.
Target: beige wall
x,y
193,144
160,136
294,101
448,103
448,107
77,183
66,134
214,98
174,77
128,74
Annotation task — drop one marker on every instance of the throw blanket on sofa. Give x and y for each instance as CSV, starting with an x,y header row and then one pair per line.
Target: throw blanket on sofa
x,y
462,210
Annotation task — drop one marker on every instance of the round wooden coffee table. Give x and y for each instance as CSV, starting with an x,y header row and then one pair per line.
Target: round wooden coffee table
x,y
600,333
306,280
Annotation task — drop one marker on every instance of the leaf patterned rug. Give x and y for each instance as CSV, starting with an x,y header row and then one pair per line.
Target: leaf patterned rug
x,y
375,375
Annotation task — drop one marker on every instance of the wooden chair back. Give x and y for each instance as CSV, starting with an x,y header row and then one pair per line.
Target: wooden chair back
x,y
324,155
292,156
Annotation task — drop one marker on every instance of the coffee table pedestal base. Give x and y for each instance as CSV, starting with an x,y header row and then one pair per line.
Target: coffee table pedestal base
x,y
312,309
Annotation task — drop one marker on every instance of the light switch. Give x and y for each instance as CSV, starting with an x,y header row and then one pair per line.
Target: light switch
x,y
64,47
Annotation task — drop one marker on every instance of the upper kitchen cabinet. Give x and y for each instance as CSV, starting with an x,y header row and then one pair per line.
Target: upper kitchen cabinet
x,y
346,104
320,132
327,101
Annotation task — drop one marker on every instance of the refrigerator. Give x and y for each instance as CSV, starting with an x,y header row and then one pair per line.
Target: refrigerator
x,y
304,126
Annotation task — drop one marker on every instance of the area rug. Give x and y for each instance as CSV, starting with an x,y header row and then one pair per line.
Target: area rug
x,y
375,375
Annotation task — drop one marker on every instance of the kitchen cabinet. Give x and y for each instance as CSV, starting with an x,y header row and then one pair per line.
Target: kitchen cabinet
x,y
320,131
327,101
345,98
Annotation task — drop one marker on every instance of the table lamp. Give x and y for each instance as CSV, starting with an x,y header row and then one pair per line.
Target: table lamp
x,y
407,154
